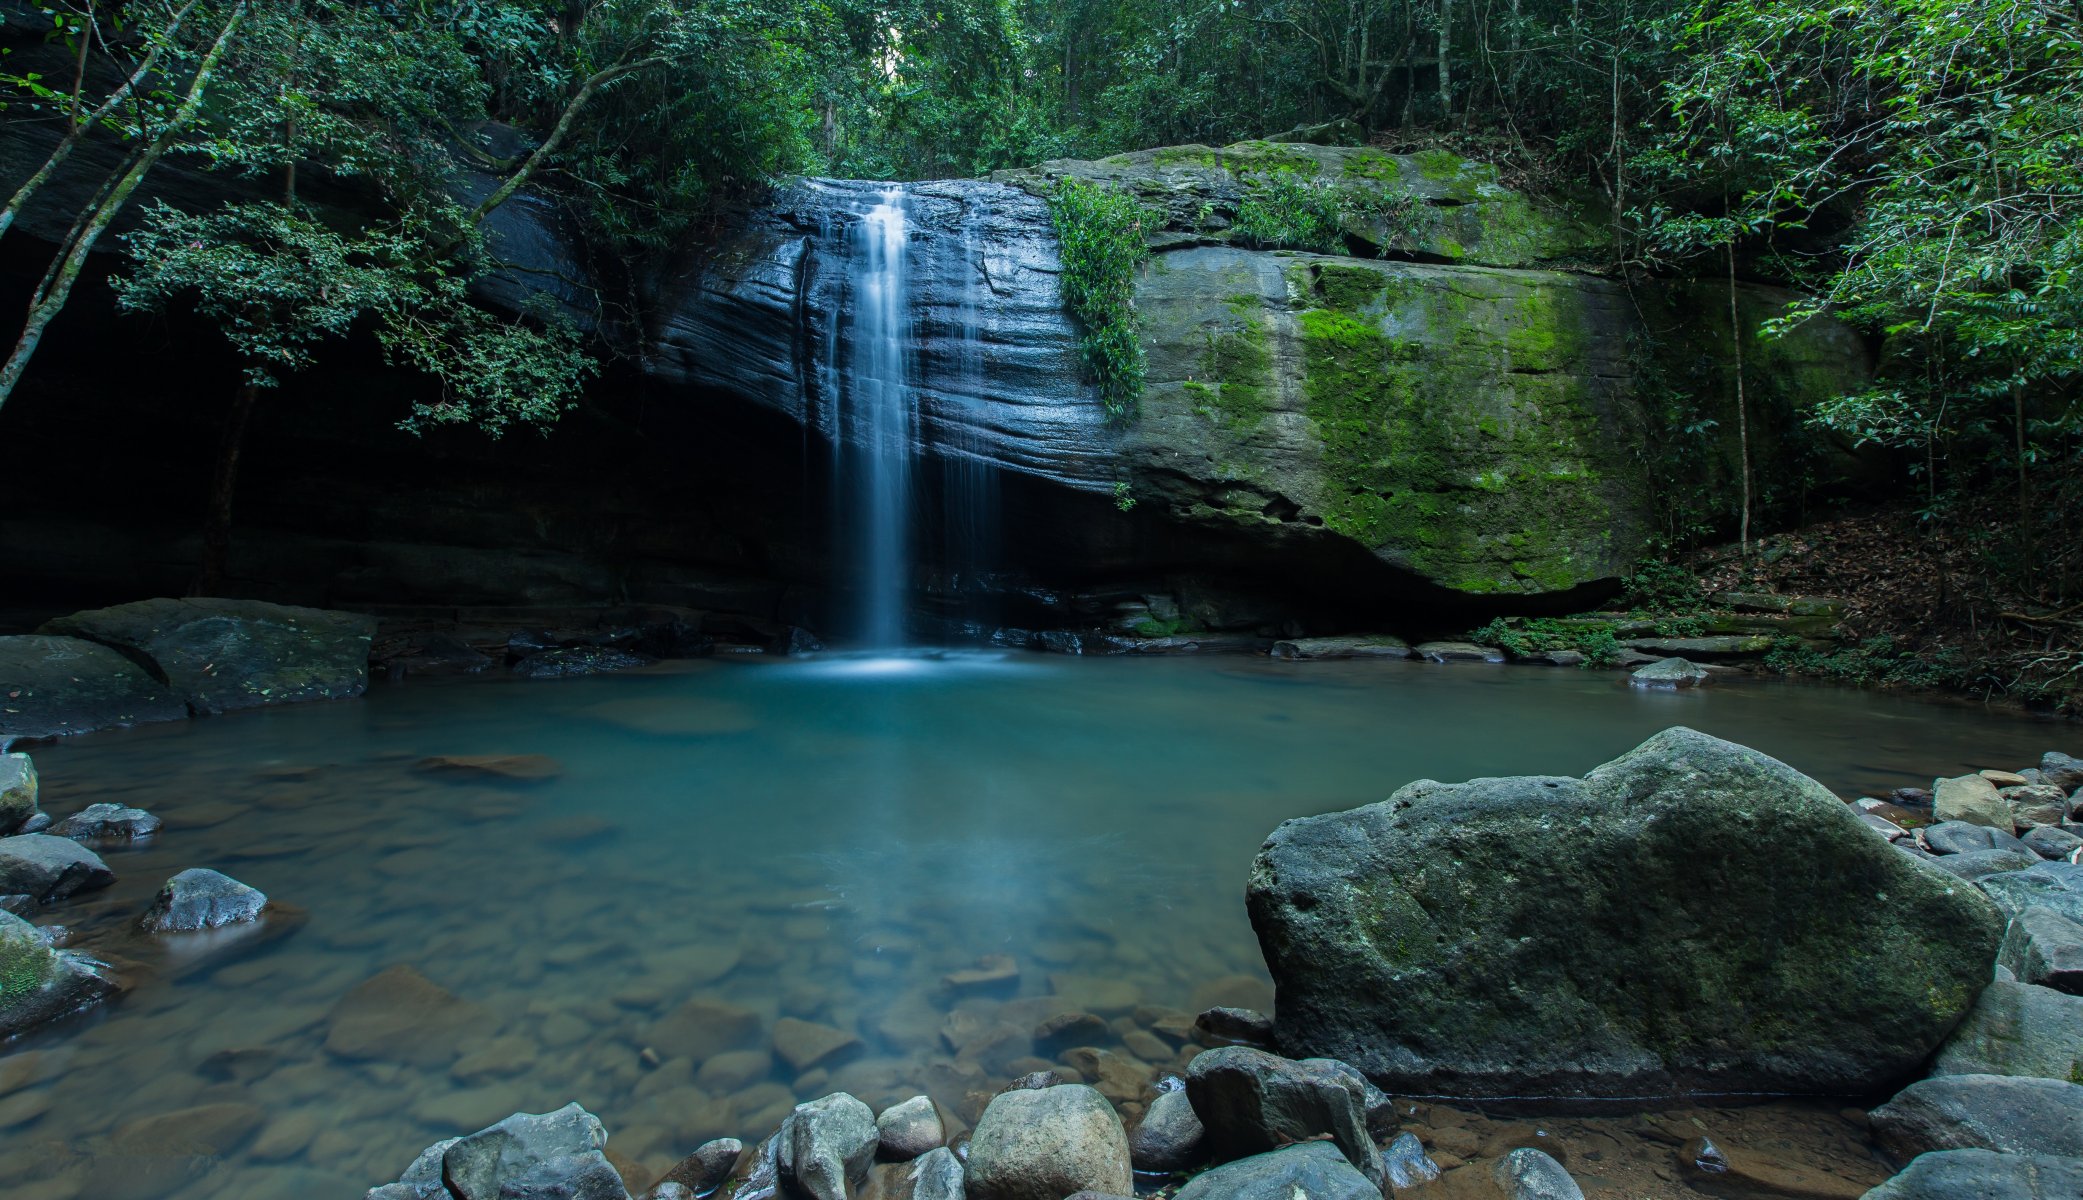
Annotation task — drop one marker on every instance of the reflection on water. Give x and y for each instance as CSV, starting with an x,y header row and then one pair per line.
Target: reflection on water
x,y
701,851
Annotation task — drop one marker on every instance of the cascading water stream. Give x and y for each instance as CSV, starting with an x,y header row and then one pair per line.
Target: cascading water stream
x,y
877,413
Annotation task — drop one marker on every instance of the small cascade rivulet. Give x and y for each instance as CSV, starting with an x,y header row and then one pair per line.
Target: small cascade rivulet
x,y
896,343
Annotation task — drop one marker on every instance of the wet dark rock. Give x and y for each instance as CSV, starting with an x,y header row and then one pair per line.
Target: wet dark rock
x,y
567,662
1886,828
516,768
17,791
1436,940
1984,1175
668,1189
2050,842
793,641
1733,645
549,1156
2035,805
199,898
1365,646
108,823
2061,770
48,868
1668,673
1702,1155
1406,1163
433,654
1315,1170
1251,1102
1043,1144
2012,1114
37,822
1033,1081
1981,864
1527,1174
54,686
937,1175
701,1028
2055,885
826,1146
39,983
1064,1030
1169,1137
992,975
2017,1029
1446,652
2043,947
710,1164
1242,1026
910,1129
1960,837
222,655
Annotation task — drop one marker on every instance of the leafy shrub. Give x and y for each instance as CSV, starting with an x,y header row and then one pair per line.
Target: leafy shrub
x,y
1282,212
1542,635
1659,587
1100,231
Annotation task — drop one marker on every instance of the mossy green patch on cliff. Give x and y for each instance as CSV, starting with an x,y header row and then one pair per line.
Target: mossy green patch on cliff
x,y
1239,364
1239,159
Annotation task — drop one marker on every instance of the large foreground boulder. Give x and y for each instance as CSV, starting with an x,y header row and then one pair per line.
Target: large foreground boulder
x,y
1045,1143
2010,1113
38,983
1693,916
2017,1029
551,1156
1984,1175
1313,1170
55,686
223,655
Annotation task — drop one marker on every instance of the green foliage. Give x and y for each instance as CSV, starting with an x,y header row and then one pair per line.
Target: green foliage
x,y
1124,499
1663,588
1100,233
1281,211
1875,662
1521,637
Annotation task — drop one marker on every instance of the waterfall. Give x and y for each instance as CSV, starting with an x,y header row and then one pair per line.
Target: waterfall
x,y
878,413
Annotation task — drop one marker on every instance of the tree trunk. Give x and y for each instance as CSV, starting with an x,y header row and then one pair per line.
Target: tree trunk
x,y
1446,74
2025,529
224,482
1742,409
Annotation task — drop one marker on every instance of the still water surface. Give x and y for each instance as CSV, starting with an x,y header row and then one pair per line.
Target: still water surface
x,y
822,839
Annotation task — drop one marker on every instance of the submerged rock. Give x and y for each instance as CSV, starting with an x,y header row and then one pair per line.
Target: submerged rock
x,y
2017,1029
2012,1114
199,898
221,655
1984,1175
1044,1144
48,868
1612,935
1242,1026
1314,1170
57,686
399,1015
108,823
551,1156
39,983
1251,1102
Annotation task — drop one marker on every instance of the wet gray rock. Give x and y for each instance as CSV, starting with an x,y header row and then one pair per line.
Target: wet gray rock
x,y
2061,770
569,661
1243,1026
1366,646
2055,885
221,655
936,1175
826,1146
49,868
1972,799
1984,1175
1977,865
908,1130
2011,1114
1531,1175
39,983
57,686
2036,804
1960,837
1407,1164
548,1156
108,823
2045,948
2017,1029
1314,1170
1436,940
709,1165
1169,1138
199,898
1668,673
1043,1144
17,791
1446,652
1251,1101
2050,842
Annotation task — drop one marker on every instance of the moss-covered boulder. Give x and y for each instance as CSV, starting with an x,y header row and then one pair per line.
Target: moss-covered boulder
x,y
1691,917
39,984
223,655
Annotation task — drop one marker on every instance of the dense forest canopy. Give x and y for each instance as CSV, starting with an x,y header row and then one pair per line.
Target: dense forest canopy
x,y
1910,164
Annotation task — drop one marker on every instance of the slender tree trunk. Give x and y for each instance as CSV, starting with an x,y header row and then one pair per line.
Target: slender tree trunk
x,y
1742,409
224,483
73,258
1446,74
80,125
2025,524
